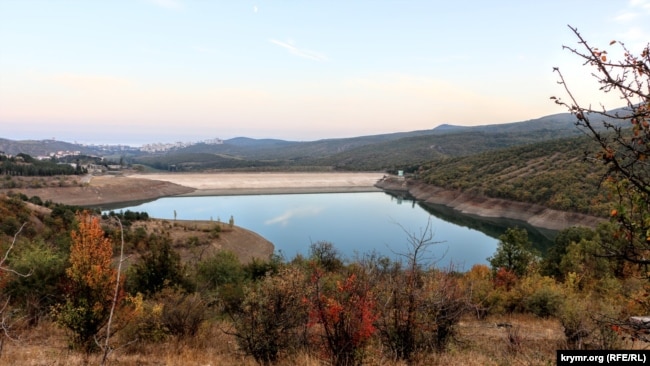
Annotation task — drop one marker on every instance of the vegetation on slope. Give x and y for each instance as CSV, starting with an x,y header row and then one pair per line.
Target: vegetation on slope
x,y
554,174
25,165
322,307
377,152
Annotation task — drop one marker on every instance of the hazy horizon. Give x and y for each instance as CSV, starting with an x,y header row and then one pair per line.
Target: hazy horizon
x,y
143,71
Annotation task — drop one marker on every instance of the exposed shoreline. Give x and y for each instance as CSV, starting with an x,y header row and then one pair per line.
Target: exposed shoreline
x,y
268,182
535,215
113,190
116,189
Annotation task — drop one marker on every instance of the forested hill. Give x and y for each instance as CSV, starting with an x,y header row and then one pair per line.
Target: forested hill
x,y
552,173
377,152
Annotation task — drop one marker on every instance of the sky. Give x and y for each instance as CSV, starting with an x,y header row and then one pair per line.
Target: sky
x,y
143,71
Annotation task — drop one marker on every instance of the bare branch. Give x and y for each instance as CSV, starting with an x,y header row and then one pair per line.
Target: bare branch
x,y
418,246
11,247
107,349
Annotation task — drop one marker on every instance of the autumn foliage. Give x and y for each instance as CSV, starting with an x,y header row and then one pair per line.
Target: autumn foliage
x,y
342,315
91,283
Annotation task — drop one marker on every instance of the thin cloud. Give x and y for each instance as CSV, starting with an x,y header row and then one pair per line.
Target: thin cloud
x,y
634,10
205,50
301,52
90,82
285,217
626,17
168,4
644,4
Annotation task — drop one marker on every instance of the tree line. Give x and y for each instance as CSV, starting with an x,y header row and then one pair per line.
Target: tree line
x,y
25,165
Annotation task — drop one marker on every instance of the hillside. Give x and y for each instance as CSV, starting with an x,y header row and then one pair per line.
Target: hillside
x,y
552,173
377,152
393,151
41,147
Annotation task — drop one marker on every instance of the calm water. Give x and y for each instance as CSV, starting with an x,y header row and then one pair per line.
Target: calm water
x,y
356,223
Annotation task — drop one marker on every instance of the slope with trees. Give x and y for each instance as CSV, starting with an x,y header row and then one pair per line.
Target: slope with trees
x,y
553,174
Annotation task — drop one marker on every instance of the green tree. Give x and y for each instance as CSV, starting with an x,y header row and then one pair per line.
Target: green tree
x,y
160,266
551,263
514,252
222,276
36,293
326,255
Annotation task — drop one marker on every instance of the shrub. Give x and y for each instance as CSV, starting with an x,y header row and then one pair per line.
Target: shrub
x,y
325,255
421,315
574,315
536,294
222,276
182,314
159,267
43,288
145,323
273,316
344,311
478,284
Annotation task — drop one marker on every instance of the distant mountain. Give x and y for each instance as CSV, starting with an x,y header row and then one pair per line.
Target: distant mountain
x,y
372,152
258,143
42,147
446,128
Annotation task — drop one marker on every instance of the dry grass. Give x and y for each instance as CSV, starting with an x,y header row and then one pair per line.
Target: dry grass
x,y
528,341
245,244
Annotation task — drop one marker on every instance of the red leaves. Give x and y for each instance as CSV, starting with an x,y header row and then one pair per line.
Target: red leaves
x,y
504,278
345,312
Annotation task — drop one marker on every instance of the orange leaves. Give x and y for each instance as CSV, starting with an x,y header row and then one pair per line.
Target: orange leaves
x,y
504,278
600,55
345,312
91,255
92,282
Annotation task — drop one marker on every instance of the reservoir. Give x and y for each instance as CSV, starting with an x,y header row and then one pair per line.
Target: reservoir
x,y
355,223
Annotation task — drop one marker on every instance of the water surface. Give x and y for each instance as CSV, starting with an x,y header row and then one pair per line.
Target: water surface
x,y
356,223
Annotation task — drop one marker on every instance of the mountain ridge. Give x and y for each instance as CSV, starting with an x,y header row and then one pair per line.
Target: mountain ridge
x,y
387,152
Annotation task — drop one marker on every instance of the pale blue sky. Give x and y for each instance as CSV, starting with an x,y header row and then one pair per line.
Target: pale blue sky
x,y
138,71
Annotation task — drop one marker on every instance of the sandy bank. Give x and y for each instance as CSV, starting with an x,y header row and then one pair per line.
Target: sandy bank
x,y
216,184
536,215
112,189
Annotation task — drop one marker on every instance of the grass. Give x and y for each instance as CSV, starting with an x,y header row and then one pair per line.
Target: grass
x,y
527,341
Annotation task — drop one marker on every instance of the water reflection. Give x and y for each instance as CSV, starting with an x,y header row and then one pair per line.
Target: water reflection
x,y
283,219
494,227
356,223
